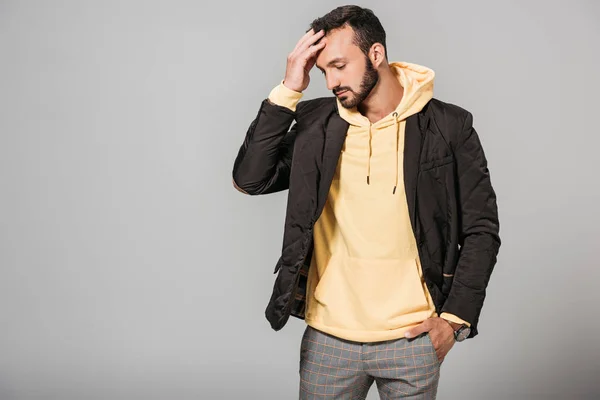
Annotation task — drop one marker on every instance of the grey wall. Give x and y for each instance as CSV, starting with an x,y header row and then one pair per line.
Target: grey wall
x,y
131,269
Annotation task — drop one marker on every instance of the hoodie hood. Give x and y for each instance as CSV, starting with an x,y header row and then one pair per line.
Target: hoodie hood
x,y
417,82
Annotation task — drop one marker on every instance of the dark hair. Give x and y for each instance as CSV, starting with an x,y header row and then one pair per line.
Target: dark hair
x,y
366,26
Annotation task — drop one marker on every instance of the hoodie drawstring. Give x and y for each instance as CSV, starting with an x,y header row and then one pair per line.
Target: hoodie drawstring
x,y
397,134
369,160
395,114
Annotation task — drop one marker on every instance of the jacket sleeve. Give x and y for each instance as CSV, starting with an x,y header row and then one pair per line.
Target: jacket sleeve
x,y
264,159
479,238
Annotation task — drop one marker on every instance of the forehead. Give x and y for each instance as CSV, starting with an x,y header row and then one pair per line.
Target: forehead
x,y
340,43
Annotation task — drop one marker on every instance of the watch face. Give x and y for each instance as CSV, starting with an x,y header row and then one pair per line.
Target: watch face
x,y
463,333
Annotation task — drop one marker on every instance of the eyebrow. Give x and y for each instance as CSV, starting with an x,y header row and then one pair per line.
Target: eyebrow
x,y
335,60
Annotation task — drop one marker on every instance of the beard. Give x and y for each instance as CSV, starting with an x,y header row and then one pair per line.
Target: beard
x,y
369,80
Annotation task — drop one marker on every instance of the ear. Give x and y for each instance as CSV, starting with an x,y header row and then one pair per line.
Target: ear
x,y
377,54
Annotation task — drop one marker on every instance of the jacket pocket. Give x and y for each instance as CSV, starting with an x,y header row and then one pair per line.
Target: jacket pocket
x,y
277,266
437,163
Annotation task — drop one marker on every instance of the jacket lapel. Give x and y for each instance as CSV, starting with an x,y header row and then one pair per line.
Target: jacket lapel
x,y
412,153
335,134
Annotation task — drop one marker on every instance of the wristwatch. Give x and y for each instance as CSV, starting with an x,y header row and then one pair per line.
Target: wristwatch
x,y
462,333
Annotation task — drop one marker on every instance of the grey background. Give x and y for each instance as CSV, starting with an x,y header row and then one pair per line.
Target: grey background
x,y
130,267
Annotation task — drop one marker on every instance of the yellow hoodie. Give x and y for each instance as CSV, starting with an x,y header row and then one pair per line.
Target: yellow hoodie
x,y
365,282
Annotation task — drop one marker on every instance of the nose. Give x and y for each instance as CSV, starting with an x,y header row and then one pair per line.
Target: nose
x,y
332,82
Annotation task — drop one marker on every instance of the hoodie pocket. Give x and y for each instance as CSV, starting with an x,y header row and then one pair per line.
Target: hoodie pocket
x,y
371,294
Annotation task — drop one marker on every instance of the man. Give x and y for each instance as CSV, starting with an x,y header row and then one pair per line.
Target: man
x,y
391,231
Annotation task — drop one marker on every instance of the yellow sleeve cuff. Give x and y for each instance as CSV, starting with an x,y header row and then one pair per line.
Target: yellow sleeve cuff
x,y
285,97
454,318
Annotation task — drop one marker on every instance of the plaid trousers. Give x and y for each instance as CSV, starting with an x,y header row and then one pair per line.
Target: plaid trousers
x,y
334,368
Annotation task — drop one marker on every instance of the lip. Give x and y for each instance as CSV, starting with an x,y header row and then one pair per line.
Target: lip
x,y
341,93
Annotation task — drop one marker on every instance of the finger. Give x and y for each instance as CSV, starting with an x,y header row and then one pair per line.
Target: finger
x,y
310,62
417,330
303,38
310,41
302,43
314,38
312,51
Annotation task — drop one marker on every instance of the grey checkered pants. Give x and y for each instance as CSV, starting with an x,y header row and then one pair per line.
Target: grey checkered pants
x,y
334,368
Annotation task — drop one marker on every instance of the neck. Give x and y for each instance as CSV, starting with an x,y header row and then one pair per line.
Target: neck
x,y
384,98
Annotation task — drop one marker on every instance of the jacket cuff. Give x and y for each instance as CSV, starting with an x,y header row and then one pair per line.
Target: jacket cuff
x,y
285,97
454,318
